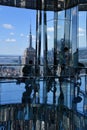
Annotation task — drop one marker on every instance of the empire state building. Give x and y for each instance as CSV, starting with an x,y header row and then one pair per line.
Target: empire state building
x,y
29,53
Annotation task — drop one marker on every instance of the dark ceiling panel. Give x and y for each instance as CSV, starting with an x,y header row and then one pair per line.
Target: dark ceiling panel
x,y
43,4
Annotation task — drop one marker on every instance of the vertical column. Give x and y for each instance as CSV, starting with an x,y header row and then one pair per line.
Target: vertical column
x,y
86,83
86,29
55,38
85,104
39,47
38,35
45,41
0,91
67,53
15,2
85,96
55,48
39,40
75,36
74,49
36,41
55,31
45,64
67,28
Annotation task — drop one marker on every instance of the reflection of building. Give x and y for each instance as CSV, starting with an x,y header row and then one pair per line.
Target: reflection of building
x,y
83,56
2,127
50,57
29,53
64,90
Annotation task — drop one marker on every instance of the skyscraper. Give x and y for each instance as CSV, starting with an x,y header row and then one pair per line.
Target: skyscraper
x,y
29,53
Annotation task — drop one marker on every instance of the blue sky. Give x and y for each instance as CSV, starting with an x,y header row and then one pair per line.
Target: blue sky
x,y
82,29
14,29
15,25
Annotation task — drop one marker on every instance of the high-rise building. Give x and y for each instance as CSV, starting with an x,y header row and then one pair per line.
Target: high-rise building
x,y
29,53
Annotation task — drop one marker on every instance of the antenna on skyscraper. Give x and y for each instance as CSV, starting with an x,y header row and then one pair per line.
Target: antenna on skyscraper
x,y
30,38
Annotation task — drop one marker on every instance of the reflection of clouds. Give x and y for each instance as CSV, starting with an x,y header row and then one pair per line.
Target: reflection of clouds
x,y
48,36
81,14
81,32
59,13
50,29
59,27
74,11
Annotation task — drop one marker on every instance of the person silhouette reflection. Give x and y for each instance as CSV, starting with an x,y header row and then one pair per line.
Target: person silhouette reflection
x,y
61,96
26,98
61,105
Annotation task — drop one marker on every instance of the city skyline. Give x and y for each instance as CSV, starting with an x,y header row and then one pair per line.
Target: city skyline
x,y
15,25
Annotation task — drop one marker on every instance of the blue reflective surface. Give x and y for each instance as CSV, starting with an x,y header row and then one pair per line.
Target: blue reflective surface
x,y
12,93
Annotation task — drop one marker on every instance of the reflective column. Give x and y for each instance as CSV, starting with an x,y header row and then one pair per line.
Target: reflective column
x,y
45,52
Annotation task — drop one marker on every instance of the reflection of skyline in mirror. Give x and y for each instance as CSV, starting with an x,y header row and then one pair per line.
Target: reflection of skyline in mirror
x,y
51,90
14,34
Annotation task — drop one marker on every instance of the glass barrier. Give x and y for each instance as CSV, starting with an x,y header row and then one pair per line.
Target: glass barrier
x,y
25,116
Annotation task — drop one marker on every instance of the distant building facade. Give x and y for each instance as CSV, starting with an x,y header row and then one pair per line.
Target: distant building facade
x,y
29,53
83,56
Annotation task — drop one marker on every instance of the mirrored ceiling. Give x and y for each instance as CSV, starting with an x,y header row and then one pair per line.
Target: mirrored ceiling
x,y
51,5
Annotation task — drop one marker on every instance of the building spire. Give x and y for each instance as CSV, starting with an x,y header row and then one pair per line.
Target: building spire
x,y
30,38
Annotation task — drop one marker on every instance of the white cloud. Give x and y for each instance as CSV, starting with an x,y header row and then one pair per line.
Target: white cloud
x,y
50,29
22,35
59,27
27,36
33,37
10,40
11,33
81,34
48,37
7,26
81,30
